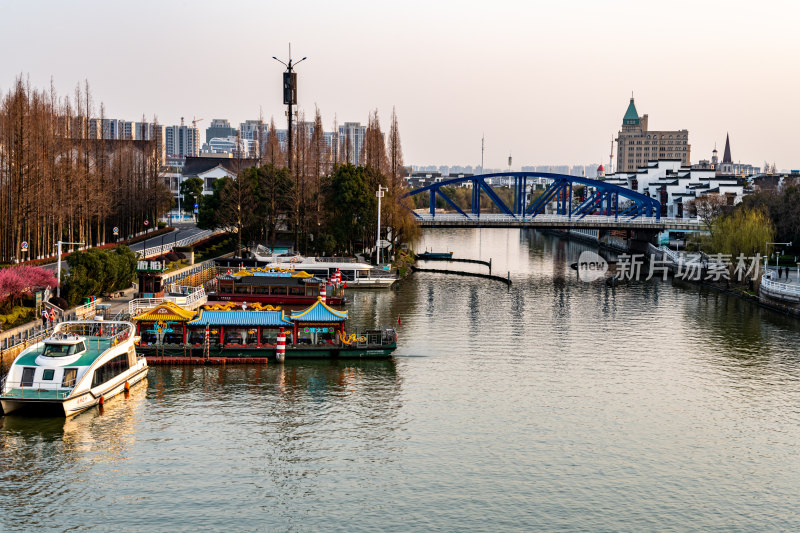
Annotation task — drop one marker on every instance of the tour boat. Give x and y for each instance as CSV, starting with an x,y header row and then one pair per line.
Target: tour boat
x,y
244,331
357,275
81,364
275,286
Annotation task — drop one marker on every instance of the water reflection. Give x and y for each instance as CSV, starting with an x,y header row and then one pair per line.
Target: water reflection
x,y
647,396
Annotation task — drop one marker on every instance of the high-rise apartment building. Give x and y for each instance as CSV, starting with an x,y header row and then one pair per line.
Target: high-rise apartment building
x,y
182,140
220,128
249,129
636,144
351,138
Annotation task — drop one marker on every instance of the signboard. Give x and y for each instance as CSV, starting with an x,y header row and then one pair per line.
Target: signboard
x,y
149,266
116,230
24,245
318,330
385,244
289,88
196,206
146,222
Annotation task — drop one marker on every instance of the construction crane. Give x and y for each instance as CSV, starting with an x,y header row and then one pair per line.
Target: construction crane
x,y
195,121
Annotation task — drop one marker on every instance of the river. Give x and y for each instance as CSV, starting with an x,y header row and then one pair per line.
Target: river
x,y
549,405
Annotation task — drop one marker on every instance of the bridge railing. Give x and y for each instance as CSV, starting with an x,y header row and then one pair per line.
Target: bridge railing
x,y
158,250
546,218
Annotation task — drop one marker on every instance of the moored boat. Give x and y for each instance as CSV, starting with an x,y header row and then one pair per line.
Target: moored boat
x,y
435,255
255,332
356,275
81,364
276,286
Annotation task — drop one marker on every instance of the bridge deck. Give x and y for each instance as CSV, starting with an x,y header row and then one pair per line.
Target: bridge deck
x,y
557,222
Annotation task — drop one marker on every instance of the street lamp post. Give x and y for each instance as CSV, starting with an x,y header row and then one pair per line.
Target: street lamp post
x,y
379,194
766,253
58,287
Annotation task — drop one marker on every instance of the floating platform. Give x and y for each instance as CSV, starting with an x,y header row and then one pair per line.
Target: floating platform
x,y
154,360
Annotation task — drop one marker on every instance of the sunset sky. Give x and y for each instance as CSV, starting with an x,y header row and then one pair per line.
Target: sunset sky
x,y
547,82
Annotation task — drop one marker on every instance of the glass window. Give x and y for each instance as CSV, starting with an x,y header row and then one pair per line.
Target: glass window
x,y
48,374
278,291
110,370
297,291
27,376
269,337
69,377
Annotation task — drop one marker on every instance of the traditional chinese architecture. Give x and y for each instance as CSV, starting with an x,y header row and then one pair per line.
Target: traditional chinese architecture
x,y
276,286
251,331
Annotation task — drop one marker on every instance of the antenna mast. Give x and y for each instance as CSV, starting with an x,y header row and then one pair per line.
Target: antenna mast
x,y
482,136
611,157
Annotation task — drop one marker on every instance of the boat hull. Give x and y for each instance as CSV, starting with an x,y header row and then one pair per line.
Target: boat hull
x,y
297,352
273,300
74,404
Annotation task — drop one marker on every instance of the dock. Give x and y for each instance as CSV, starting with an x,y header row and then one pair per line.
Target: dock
x,y
506,280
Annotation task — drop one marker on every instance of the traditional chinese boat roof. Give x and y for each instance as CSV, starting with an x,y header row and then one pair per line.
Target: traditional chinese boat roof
x,y
319,312
240,318
166,311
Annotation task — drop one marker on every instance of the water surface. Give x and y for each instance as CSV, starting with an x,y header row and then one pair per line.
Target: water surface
x,y
550,405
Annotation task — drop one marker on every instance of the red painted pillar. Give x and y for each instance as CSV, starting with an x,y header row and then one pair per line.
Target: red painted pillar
x,y
294,334
222,335
184,333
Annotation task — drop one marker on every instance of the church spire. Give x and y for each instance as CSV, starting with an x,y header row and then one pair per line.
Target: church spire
x,y
726,157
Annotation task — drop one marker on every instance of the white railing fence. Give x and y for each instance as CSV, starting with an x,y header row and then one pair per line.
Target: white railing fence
x,y
167,246
777,288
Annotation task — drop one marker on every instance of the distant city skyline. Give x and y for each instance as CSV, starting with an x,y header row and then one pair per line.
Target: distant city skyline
x,y
541,81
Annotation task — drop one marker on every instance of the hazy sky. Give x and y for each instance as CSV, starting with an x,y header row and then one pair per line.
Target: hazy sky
x,y
547,82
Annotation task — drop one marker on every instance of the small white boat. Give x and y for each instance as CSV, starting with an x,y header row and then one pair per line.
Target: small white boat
x,y
80,365
357,275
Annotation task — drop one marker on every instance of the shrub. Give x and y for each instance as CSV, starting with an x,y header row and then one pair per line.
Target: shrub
x,y
59,302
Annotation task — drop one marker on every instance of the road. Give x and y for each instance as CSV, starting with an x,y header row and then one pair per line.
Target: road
x,y
182,231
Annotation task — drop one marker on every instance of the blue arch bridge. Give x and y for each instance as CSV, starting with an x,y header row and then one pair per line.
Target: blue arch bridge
x,y
601,205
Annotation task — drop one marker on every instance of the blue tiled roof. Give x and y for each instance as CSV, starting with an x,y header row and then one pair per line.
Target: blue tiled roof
x,y
240,318
319,312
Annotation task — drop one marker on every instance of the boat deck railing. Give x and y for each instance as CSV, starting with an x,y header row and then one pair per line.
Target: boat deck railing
x,y
33,390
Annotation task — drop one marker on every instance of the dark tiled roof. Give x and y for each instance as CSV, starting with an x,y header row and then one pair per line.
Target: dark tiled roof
x,y
198,165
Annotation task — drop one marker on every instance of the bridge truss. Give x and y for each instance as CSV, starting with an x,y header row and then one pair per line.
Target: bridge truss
x,y
599,198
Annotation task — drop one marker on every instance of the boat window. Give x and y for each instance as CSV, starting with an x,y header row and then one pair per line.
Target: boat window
x,y
111,369
27,376
80,347
197,337
69,377
312,290
297,291
269,337
234,336
59,350
242,289
278,290
48,374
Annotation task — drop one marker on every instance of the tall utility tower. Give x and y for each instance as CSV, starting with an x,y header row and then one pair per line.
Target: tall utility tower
x,y
289,98
611,157
482,137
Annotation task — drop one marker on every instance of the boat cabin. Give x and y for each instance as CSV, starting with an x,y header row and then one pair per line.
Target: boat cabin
x,y
275,287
